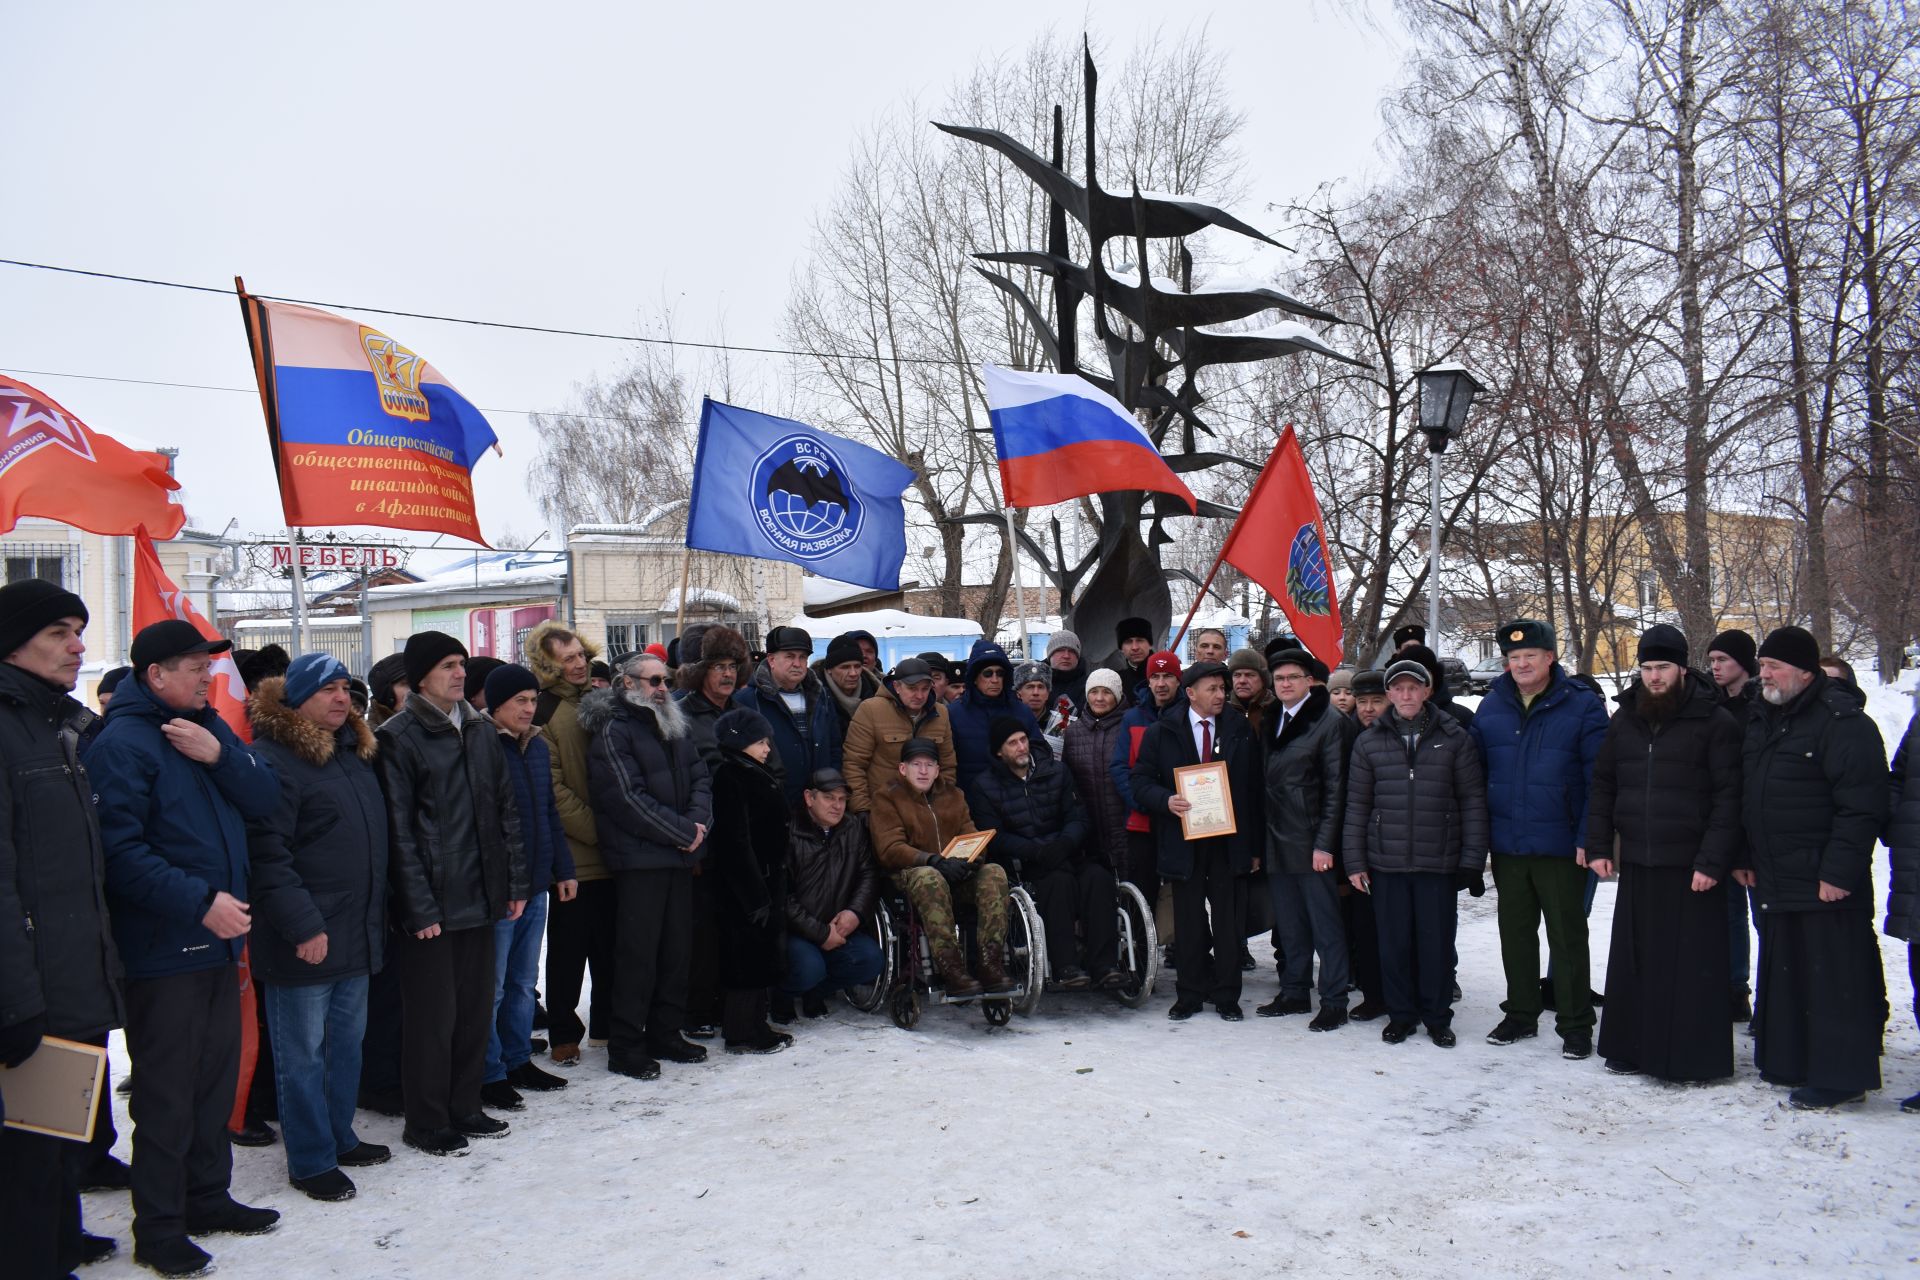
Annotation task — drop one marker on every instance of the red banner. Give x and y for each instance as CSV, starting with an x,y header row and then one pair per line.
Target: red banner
x,y
54,465
156,599
1278,541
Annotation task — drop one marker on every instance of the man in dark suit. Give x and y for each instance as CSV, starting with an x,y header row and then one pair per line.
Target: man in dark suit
x,y
1205,870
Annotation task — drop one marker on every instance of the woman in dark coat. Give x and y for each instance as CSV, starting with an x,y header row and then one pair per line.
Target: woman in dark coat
x,y
748,860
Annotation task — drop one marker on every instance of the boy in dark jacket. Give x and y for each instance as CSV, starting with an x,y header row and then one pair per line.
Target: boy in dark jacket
x,y
513,693
320,888
458,867
175,790
1415,835
1666,789
59,971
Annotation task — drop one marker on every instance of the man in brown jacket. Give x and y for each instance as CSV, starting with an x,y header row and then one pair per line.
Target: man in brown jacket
x,y
579,932
913,819
904,709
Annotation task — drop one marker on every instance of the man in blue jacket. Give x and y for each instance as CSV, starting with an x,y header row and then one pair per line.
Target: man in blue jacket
x,y
175,789
988,695
806,727
1539,733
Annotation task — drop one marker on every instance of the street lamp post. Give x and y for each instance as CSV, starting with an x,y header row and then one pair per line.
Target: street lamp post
x,y
1446,393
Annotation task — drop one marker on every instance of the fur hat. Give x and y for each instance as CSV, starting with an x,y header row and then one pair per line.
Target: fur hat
x,y
1132,629
1247,660
740,728
1528,633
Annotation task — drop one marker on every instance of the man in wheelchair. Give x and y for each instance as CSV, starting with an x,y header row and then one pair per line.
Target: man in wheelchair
x,y
913,819
1040,836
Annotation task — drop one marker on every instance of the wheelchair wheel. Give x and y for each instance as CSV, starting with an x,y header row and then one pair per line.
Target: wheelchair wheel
x,y
870,997
1139,947
1026,951
998,1012
904,1008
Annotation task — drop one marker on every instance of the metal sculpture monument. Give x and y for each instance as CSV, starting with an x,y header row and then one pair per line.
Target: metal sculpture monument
x,y
1162,332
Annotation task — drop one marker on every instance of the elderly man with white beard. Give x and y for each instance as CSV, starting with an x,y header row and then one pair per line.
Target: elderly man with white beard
x,y
652,806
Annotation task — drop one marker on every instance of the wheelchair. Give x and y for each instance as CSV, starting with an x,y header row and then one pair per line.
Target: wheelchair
x,y
906,984
1138,955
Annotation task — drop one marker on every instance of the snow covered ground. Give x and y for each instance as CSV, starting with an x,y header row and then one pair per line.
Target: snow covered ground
x,y
1091,1140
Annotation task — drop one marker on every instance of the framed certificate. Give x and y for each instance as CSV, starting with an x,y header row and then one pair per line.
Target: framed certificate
x,y
970,846
1204,786
57,1090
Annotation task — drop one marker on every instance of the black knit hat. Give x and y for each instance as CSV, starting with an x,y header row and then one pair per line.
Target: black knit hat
x,y
1132,629
843,648
507,680
1738,645
28,606
740,728
382,675
1793,646
1663,642
1528,633
426,650
999,729
478,669
111,681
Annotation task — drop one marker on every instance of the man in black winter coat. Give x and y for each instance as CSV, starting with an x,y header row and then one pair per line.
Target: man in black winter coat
x,y
1903,844
1666,792
319,882
59,971
1306,774
832,884
1040,838
1209,895
652,804
1814,800
457,867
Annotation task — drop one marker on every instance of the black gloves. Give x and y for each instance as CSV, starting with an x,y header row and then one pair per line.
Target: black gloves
x,y
18,1041
1474,882
954,869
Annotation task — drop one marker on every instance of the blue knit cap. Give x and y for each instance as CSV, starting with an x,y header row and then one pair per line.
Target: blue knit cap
x,y
308,673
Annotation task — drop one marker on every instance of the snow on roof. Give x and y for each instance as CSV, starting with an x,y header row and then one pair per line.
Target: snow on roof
x,y
313,620
886,622
701,598
483,569
818,593
643,525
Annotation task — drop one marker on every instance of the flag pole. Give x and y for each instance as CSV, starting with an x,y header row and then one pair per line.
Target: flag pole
x,y
1019,588
686,569
299,592
1173,646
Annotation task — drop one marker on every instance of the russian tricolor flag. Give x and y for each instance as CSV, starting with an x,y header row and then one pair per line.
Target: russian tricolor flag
x,y
1059,437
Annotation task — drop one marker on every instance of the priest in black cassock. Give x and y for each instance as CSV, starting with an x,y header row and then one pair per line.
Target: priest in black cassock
x,y
1664,811
1814,795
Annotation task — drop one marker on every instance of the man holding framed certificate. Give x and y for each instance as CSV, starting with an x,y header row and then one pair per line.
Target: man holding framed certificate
x,y
1198,780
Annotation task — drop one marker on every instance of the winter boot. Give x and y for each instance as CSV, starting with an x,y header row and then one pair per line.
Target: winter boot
x,y
952,969
993,970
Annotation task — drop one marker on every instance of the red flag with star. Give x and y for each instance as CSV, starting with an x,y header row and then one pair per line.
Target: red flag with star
x,y
54,465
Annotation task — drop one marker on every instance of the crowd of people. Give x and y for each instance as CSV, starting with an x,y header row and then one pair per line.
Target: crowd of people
x,y
349,912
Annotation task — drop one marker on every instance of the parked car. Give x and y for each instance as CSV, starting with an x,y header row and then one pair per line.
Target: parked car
x,y
1455,673
1485,672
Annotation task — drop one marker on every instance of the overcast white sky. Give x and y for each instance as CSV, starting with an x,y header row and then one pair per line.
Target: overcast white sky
x,y
573,165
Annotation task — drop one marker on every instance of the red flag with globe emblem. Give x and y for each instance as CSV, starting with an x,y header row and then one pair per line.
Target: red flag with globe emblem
x,y
54,465
1279,542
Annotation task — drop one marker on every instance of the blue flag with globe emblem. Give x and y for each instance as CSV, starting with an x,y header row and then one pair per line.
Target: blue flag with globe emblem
x,y
781,490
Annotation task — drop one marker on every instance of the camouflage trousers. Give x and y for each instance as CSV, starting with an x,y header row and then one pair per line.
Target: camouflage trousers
x,y
932,899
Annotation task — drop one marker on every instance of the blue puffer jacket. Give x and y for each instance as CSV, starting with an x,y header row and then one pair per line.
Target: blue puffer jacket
x,y
175,832
972,714
549,857
1539,763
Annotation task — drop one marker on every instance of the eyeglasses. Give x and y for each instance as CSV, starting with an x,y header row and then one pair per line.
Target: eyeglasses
x,y
728,666
652,682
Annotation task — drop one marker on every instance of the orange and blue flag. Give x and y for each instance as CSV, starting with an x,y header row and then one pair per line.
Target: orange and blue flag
x,y
364,431
1059,437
